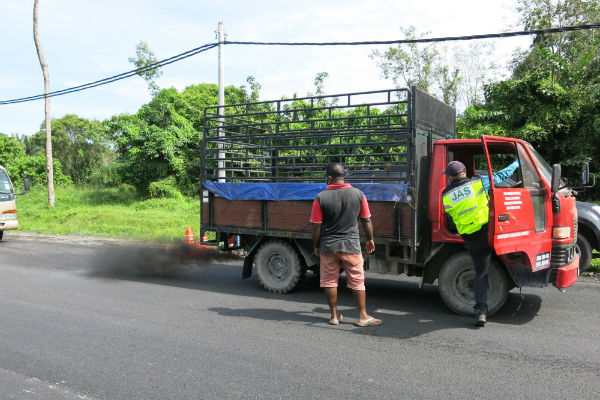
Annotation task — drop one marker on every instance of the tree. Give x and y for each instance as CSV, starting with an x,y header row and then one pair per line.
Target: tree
x,y
162,139
571,58
81,146
144,62
409,64
48,123
455,75
254,87
553,96
11,149
20,166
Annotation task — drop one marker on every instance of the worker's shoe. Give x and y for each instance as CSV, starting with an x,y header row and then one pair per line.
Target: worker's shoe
x,y
480,318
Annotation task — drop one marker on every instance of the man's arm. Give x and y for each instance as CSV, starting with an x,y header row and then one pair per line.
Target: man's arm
x,y
499,176
368,229
316,236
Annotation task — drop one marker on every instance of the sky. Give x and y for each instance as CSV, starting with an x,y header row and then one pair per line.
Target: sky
x,y
84,41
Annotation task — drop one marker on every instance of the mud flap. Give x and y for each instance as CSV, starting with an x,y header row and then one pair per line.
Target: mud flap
x,y
249,260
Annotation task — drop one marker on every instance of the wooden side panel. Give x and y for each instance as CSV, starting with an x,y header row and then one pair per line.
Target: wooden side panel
x,y
246,213
292,215
383,218
204,213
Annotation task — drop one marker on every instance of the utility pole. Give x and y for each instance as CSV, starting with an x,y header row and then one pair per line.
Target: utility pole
x,y
221,133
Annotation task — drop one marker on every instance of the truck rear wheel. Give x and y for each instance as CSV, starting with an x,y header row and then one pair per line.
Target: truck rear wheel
x,y
456,280
278,266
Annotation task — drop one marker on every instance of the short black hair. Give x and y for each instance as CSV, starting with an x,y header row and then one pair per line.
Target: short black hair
x,y
335,170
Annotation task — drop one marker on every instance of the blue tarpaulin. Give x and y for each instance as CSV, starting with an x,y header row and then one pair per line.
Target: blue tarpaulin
x,y
301,191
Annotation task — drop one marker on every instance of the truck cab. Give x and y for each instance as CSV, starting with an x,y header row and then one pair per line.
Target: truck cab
x,y
533,219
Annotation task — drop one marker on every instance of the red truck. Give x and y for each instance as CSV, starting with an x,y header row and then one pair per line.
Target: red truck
x,y
264,162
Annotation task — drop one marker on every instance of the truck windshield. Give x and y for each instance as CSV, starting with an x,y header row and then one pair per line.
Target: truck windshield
x,y
5,185
545,169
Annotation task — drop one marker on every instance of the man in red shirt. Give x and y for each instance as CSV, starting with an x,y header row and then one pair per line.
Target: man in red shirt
x,y
336,241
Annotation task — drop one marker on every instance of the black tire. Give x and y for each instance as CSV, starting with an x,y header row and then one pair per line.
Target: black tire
x,y
1,234
585,252
278,266
455,283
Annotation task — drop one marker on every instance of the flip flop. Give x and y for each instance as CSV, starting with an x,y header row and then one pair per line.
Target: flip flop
x,y
369,322
340,319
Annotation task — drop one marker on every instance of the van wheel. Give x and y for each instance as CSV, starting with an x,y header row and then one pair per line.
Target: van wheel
x,y
456,285
278,266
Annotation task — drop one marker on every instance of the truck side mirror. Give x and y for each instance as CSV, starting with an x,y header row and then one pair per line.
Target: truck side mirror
x,y
27,184
555,185
585,175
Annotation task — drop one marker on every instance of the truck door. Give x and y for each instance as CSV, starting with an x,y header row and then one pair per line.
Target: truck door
x,y
519,220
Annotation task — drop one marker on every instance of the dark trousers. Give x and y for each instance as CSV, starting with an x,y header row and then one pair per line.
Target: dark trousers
x,y
481,254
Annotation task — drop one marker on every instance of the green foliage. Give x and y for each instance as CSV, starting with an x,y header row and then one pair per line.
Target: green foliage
x,y
165,188
80,145
553,97
144,62
34,168
409,64
11,149
163,138
19,166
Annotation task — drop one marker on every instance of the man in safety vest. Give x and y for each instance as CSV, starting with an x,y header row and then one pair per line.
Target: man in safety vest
x,y
466,203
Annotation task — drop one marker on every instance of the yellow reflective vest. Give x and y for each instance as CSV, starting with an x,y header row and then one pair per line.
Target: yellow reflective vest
x,y
467,204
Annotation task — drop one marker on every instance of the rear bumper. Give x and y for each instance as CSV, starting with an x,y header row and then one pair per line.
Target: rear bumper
x,y
567,274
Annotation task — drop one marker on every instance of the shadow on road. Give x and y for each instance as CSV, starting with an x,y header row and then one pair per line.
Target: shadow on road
x,y
407,310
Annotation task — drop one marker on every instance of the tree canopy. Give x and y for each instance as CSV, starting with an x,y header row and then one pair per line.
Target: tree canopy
x,y
553,96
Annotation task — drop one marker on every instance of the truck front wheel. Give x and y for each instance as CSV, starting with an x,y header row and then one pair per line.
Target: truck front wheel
x,y
585,252
456,279
278,266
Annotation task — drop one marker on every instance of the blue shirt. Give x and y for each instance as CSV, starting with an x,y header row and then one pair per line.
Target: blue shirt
x,y
499,176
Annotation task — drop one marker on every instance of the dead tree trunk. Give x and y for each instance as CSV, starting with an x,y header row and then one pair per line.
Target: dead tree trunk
x,y
49,162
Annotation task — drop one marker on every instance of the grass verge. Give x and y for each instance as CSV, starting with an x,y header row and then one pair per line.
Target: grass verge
x,y
107,212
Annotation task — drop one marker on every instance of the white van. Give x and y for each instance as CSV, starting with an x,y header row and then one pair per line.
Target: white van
x,y
8,203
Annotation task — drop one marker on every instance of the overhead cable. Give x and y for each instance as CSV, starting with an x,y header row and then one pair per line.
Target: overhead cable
x,y
428,40
209,46
115,78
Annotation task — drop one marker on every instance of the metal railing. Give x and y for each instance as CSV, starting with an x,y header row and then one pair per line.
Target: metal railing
x,y
292,140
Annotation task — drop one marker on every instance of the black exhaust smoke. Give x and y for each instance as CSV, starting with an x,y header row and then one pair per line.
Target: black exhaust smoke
x,y
156,259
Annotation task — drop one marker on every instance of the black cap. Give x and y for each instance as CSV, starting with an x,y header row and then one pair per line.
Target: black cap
x,y
455,168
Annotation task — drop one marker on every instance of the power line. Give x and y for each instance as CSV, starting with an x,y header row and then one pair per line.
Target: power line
x,y
429,40
115,78
209,46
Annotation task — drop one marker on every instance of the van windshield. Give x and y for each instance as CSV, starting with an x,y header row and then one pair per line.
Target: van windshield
x,y
5,185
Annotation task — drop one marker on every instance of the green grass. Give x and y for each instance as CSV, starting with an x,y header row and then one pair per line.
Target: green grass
x,y
595,264
107,212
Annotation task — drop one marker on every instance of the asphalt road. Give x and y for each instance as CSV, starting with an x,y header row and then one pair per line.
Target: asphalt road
x,y
80,320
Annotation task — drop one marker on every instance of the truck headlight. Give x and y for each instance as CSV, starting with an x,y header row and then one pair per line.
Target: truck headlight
x,y
561,232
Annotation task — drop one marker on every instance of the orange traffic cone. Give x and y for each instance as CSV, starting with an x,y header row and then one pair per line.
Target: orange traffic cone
x,y
203,239
189,237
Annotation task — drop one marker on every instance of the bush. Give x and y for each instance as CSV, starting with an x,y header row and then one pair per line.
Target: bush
x,y
165,188
34,168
